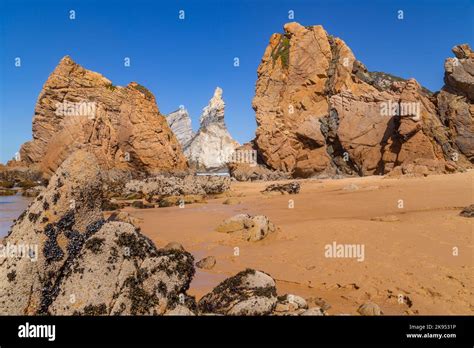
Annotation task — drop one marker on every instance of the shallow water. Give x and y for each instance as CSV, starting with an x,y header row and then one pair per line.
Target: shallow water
x,y
11,208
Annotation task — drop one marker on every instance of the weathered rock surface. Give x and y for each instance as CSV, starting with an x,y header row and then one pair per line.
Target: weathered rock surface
x,y
468,211
320,111
290,305
456,100
252,228
249,292
206,263
180,123
248,166
121,126
212,146
81,264
162,185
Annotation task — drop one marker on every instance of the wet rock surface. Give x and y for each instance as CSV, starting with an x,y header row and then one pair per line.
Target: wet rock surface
x,y
83,265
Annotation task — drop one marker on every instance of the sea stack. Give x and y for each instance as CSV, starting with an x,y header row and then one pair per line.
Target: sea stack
x,y
212,146
121,126
320,111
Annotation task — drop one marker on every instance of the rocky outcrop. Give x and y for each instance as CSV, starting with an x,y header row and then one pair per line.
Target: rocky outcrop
x,y
290,188
456,100
180,123
320,111
162,185
249,292
121,126
248,166
74,262
212,146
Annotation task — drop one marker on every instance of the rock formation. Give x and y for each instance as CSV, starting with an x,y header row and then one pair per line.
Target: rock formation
x,y
320,111
250,228
456,100
249,292
212,146
121,126
180,123
74,262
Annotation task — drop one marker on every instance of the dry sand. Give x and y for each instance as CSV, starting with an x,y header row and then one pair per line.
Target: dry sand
x,y
410,254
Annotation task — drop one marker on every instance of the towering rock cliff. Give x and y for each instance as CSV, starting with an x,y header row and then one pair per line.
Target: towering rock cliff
x,y
180,123
212,145
319,110
456,99
121,126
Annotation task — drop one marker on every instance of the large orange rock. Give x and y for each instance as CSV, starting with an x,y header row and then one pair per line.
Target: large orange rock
x,y
319,110
121,126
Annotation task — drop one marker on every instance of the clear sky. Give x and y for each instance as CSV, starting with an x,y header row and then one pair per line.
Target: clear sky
x,y
182,61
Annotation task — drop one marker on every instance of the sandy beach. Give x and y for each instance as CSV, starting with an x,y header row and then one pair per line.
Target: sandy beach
x,y
417,252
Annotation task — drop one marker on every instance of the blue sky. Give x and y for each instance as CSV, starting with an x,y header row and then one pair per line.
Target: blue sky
x,y
182,61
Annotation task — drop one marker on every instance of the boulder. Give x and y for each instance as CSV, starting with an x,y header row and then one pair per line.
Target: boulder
x,y
289,303
249,292
290,188
206,263
369,309
75,263
252,228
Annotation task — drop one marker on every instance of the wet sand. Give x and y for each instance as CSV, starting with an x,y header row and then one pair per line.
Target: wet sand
x,y
11,208
411,257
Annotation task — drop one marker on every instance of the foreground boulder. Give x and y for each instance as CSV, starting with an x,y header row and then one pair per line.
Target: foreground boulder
x,y
121,126
249,292
77,263
321,112
369,309
251,228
